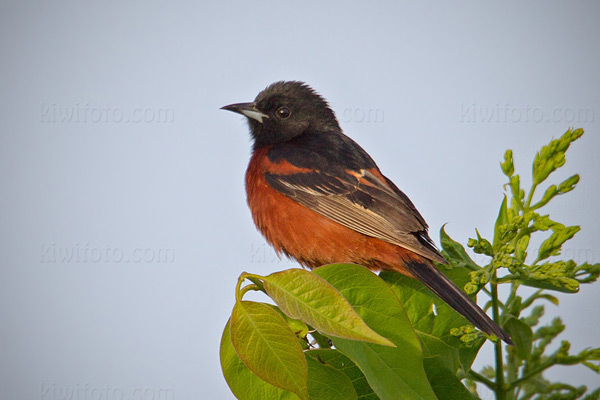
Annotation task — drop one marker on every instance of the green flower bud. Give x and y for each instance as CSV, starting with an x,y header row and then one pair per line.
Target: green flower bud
x,y
470,288
559,160
568,184
517,221
542,222
569,283
507,166
484,277
509,248
469,329
563,351
567,138
481,245
552,245
520,250
515,186
469,339
455,332
552,156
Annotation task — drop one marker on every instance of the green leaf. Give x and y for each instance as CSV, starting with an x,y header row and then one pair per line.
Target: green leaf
x,y
244,384
303,295
322,341
455,253
343,364
444,382
266,344
434,328
327,383
548,297
521,335
501,220
392,372
299,328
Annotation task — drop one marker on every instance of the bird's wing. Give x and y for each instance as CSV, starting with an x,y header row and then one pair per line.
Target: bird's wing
x,y
363,202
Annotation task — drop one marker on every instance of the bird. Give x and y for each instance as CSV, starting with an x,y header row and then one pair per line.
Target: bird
x,y
318,197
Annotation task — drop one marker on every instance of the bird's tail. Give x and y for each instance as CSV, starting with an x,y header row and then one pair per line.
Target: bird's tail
x,y
435,280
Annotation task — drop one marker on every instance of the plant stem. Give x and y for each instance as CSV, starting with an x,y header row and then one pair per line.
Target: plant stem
x,y
529,197
247,288
240,292
480,378
500,389
512,295
238,286
529,301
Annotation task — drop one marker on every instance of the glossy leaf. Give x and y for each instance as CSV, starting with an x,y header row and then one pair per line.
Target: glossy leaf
x,y
268,347
392,372
244,384
343,364
455,252
444,382
303,295
434,327
327,383
521,335
299,328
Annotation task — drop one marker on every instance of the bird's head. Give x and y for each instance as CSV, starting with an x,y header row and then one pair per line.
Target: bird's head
x,y
285,110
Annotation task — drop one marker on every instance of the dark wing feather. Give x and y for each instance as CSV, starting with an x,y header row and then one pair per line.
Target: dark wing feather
x,y
368,206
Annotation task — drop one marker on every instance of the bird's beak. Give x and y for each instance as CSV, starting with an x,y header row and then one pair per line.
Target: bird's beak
x,y
247,109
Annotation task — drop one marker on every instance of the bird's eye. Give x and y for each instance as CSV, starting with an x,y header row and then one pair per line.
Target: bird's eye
x,y
283,112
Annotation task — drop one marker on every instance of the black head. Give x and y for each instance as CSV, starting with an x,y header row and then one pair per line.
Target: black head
x,y
286,110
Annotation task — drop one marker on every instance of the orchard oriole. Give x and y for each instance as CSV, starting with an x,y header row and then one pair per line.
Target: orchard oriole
x,y
319,198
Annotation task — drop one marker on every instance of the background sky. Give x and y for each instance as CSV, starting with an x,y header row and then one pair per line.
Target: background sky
x,y
123,214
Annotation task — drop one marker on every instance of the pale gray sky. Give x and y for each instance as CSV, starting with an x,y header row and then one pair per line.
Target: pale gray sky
x,y
434,92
